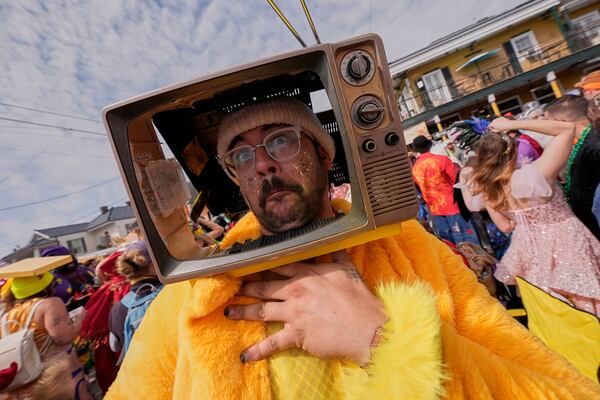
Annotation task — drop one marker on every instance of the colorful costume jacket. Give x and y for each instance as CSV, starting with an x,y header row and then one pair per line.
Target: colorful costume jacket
x,y
446,337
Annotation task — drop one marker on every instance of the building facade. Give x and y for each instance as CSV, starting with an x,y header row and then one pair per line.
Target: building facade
x,y
512,57
83,238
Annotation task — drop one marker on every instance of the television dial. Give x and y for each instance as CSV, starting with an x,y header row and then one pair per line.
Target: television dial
x,y
367,112
357,67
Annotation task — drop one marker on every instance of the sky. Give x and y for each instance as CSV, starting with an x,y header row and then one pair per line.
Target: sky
x,y
62,61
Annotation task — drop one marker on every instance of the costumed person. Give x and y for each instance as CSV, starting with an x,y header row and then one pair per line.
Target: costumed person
x,y
590,85
74,282
550,247
135,265
206,232
533,110
30,302
94,336
405,308
435,175
583,166
570,108
61,379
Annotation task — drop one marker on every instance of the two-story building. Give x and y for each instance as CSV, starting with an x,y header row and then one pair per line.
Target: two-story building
x,y
83,238
513,56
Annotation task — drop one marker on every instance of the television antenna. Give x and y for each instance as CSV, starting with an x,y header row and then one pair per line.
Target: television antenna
x,y
289,25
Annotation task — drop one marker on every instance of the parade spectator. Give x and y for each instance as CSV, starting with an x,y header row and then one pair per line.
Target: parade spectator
x,y
550,247
583,166
206,231
61,379
582,172
218,338
435,176
590,85
135,265
570,108
529,149
74,282
51,321
32,298
535,111
94,336
596,204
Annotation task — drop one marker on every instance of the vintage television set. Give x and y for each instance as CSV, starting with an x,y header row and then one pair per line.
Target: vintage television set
x,y
165,146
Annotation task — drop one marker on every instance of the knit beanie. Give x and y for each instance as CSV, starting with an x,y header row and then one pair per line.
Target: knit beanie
x,y
281,110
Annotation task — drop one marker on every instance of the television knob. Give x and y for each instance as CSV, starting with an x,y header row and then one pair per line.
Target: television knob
x,y
392,139
367,111
369,145
370,112
359,67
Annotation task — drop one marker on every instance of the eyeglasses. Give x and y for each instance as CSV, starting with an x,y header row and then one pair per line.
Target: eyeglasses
x,y
282,144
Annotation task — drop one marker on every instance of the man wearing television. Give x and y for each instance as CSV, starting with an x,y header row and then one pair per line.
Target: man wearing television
x,y
399,317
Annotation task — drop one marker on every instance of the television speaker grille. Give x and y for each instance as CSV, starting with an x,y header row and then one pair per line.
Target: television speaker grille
x,y
389,184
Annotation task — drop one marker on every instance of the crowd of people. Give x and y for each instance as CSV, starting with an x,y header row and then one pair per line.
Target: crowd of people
x,y
534,182
399,315
84,315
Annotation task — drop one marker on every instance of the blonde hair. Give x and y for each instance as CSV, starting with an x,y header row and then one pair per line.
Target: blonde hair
x,y
494,164
133,263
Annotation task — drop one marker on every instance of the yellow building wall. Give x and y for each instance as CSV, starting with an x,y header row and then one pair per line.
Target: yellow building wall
x,y
545,30
585,10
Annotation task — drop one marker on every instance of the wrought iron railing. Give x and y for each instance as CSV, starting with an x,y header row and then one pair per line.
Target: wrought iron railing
x,y
575,40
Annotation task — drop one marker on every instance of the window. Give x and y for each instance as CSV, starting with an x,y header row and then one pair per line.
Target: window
x,y
589,25
510,105
544,93
526,47
436,87
407,103
130,227
77,246
105,241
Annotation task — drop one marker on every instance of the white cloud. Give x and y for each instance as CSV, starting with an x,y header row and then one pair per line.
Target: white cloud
x,y
75,57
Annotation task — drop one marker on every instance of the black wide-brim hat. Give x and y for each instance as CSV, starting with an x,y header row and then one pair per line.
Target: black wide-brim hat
x,y
421,144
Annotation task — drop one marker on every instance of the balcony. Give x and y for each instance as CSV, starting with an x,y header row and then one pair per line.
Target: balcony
x,y
535,58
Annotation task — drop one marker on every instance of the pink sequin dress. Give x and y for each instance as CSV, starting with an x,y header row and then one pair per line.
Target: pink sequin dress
x,y
550,247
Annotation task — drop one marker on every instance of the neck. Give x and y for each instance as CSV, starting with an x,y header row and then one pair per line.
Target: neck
x,y
579,128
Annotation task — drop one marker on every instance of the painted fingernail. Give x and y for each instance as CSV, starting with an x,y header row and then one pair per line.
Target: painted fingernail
x,y
227,312
243,358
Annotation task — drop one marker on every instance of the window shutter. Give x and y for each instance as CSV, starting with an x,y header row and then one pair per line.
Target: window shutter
x,y
424,95
450,82
512,57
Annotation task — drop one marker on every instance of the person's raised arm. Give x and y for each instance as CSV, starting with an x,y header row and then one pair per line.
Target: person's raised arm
x,y
503,223
216,229
556,153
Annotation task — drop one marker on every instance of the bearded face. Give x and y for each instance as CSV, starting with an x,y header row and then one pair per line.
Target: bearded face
x,y
288,194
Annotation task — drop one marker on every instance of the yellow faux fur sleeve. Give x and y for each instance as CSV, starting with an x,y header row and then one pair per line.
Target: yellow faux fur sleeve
x,y
149,368
407,364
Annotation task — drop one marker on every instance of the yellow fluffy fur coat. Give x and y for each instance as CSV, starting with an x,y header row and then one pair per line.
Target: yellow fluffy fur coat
x,y
446,337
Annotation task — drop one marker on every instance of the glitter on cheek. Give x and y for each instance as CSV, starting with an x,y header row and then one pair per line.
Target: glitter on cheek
x,y
303,163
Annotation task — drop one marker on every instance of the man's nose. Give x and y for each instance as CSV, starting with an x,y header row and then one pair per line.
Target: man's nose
x,y
265,165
